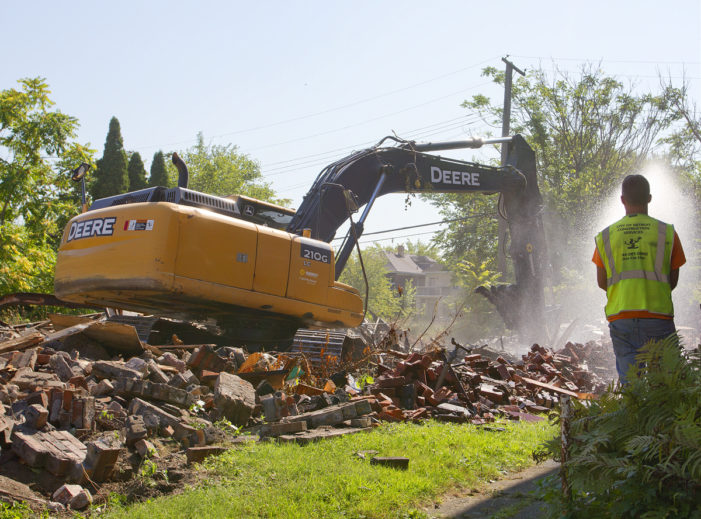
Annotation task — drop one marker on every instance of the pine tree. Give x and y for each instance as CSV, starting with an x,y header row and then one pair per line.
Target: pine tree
x,y
111,176
159,175
137,173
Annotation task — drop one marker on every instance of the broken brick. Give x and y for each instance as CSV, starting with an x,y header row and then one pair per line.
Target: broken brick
x,y
234,398
74,497
198,454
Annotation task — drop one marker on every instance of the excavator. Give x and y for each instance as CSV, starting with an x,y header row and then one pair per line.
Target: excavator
x,y
262,271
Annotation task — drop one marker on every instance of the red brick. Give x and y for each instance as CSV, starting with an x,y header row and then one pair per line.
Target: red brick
x,y
78,381
198,454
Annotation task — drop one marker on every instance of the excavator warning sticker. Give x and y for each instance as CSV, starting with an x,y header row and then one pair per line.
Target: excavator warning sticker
x,y
93,227
138,225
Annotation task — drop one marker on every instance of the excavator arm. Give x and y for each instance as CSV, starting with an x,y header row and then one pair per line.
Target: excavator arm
x,y
406,167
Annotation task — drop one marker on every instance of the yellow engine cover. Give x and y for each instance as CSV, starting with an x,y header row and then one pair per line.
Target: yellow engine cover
x,y
180,261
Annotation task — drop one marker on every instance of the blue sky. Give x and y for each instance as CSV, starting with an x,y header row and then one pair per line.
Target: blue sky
x,y
297,85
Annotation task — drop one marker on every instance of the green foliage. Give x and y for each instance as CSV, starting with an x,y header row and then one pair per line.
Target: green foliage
x,y
221,170
197,407
159,172
17,510
685,141
385,301
149,472
27,261
475,237
636,452
36,195
111,177
136,173
420,248
226,426
484,318
471,276
364,380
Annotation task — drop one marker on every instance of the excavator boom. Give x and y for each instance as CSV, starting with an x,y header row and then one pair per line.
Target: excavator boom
x,y
407,167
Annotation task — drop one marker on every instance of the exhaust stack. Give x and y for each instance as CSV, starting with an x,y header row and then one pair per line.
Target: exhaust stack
x,y
183,174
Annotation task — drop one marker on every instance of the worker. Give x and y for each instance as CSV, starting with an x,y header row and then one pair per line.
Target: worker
x,y
637,264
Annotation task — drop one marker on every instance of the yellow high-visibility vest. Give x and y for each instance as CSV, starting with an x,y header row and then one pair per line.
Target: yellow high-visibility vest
x,y
637,252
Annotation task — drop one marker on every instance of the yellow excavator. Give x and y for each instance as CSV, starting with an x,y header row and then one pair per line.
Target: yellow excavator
x,y
262,271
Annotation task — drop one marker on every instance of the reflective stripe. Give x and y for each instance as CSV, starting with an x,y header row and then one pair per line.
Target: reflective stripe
x,y
659,254
657,275
638,274
609,255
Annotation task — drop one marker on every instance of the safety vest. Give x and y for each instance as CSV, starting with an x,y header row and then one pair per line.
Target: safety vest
x,y
636,252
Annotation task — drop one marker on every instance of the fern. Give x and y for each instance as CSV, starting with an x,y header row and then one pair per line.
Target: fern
x,y
636,452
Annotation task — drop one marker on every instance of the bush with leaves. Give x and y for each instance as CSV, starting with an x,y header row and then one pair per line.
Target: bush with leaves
x,y
636,452
37,149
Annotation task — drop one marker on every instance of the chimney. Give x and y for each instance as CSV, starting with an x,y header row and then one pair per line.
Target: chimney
x,y
400,251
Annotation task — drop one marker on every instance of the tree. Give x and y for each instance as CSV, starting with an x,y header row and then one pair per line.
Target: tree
x,y
685,142
37,148
136,172
159,172
111,177
588,132
422,249
221,170
385,301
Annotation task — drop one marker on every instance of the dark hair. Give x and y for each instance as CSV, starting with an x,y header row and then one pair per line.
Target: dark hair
x,y
636,190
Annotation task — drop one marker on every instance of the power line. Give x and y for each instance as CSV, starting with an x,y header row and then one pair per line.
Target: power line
x,y
323,112
307,183
450,220
367,121
397,237
363,144
589,60
324,157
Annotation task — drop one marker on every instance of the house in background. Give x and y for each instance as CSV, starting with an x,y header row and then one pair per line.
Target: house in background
x,y
432,282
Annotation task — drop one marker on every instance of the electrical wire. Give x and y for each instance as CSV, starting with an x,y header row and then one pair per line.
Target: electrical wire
x,y
364,144
355,125
330,110
450,220
398,237
589,60
412,134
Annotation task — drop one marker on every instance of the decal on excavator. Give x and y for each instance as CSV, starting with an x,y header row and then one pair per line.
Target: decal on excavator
x,y
314,253
460,178
93,227
138,225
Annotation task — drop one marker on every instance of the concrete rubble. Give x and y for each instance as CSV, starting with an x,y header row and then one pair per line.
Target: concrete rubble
x,y
86,413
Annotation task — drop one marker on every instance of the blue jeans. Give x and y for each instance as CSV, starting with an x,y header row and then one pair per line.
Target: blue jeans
x,y
629,335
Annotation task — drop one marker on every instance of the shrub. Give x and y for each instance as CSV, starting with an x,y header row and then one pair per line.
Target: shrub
x,y
636,452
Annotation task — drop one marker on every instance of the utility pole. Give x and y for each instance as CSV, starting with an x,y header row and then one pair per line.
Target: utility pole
x,y
505,128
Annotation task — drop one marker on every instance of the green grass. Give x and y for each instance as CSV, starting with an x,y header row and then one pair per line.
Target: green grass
x,y
327,479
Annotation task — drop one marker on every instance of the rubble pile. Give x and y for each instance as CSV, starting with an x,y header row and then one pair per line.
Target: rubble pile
x,y
480,386
88,403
